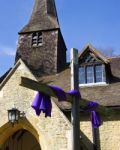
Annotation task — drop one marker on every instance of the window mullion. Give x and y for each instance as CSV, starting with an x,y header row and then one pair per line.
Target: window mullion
x,y
103,73
94,72
85,74
37,38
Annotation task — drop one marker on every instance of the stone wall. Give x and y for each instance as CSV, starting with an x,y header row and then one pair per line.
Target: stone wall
x,y
61,54
48,58
53,133
108,135
40,59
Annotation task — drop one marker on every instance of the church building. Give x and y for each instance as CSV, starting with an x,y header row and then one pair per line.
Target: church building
x,y
41,56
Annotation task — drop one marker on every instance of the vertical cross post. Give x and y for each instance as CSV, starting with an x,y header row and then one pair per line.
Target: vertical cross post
x,y
75,105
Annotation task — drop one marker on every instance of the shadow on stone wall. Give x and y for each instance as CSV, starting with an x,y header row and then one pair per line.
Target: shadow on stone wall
x,y
95,144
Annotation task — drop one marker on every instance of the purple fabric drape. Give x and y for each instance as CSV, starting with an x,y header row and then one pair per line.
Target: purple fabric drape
x,y
91,106
75,93
61,95
95,118
42,103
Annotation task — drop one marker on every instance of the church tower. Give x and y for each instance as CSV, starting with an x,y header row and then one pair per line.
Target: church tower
x,y
41,45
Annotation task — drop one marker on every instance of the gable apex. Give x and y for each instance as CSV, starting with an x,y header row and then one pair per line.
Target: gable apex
x,y
90,48
12,70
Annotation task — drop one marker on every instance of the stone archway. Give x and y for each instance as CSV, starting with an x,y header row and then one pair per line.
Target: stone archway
x,y
12,134
21,140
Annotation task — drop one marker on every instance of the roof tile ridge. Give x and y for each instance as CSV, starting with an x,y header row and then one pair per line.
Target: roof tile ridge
x,y
113,57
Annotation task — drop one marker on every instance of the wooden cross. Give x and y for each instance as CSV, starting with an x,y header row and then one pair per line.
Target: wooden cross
x,y
76,103
44,88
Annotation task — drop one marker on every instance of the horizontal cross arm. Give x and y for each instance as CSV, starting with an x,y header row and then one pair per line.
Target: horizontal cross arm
x,y
44,88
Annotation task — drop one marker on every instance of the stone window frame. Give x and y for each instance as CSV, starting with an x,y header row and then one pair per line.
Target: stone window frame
x,y
37,39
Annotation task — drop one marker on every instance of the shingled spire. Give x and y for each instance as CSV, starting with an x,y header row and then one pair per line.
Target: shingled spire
x,y
44,17
41,45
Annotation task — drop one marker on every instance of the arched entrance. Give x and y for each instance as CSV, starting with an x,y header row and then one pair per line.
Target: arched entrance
x,y
21,140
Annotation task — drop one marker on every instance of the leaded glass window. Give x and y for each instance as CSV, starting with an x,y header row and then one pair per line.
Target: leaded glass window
x,y
82,75
91,74
98,73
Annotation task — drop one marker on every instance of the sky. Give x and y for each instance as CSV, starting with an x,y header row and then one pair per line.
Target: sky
x,y
81,21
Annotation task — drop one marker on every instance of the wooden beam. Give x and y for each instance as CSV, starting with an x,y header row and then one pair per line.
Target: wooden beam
x,y
75,115
38,86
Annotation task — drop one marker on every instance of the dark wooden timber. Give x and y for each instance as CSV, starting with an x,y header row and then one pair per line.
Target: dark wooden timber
x,y
39,86
75,117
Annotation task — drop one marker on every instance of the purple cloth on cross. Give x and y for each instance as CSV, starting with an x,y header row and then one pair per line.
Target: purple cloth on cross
x,y
75,93
61,95
91,106
42,103
95,119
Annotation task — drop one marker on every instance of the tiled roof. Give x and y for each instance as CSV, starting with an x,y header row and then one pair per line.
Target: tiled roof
x,y
44,17
115,68
4,75
106,95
